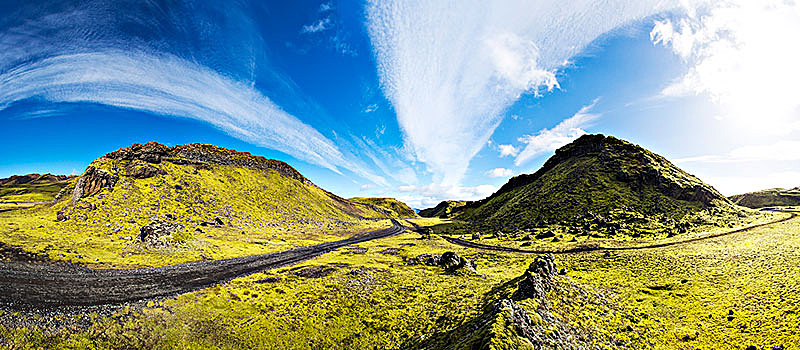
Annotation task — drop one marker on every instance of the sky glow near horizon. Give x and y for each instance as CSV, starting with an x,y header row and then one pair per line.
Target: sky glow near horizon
x,y
423,102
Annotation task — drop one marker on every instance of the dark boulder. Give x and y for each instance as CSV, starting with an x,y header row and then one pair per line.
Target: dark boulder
x,y
538,279
151,234
547,234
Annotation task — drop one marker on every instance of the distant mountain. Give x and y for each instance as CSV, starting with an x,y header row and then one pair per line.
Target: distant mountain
x,y
601,182
32,187
768,198
394,207
445,209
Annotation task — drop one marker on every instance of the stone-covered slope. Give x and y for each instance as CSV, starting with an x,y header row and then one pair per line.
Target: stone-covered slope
x,y
606,184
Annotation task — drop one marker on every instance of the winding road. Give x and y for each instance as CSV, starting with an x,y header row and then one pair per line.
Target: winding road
x,y
583,249
41,285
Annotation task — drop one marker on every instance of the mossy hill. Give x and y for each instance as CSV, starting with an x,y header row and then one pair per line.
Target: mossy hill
x,y
773,197
196,185
394,207
32,188
445,209
601,183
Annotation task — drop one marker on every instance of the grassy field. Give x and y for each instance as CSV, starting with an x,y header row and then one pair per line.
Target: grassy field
x,y
725,292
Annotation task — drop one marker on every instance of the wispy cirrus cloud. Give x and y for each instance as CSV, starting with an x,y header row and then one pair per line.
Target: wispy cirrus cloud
x,y
548,140
99,52
451,68
168,85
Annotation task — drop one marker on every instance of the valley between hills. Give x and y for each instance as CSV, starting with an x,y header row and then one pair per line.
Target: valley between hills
x,y
607,246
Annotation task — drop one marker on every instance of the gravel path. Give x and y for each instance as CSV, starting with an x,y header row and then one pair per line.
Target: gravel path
x,y
25,285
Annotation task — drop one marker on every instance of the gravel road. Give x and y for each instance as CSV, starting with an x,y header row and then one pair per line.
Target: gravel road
x,y
25,285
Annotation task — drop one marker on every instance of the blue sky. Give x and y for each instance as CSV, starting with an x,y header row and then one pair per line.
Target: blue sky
x,y
419,101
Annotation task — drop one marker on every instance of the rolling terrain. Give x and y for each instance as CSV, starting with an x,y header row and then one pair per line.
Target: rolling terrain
x,y
22,191
395,208
608,186
768,198
608,246
445,209
153,205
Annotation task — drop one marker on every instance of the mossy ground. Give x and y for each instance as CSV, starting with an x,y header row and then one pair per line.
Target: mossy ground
x,y
395,207
678,297
261,210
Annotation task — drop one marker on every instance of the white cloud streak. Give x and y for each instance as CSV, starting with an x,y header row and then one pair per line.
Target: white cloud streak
x,y
548,140
171,86
786,150
318,26
508,150
430,195
451,68
499,172
92,52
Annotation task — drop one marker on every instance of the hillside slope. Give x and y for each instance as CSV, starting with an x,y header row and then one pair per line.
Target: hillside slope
x,y
196,200
768,198
32,187
603,184
445,209
394,207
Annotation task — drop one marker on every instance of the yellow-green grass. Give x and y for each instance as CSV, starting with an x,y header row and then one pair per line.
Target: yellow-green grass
x,y
262,211
370,300
395,207
568,240
30,193
676,297
681,296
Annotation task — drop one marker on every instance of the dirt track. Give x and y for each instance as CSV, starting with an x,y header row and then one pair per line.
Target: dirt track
x,y
592,248
36,285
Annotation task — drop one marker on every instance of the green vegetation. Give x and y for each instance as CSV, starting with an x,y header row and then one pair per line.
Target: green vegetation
x,y
221,209
708,287
396,208
605,185
26,190
773,197
445,209
726,292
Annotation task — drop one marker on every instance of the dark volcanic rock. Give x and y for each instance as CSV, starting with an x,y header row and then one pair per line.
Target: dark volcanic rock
x,y
451,261
150,234
425,259
547,234
538,279
202,155
391,251
270,279
146,172
92,181
314,271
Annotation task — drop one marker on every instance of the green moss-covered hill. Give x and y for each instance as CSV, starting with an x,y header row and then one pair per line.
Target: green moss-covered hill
x,y
445,209
200,183
32,187
604,184
768,198
394,207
